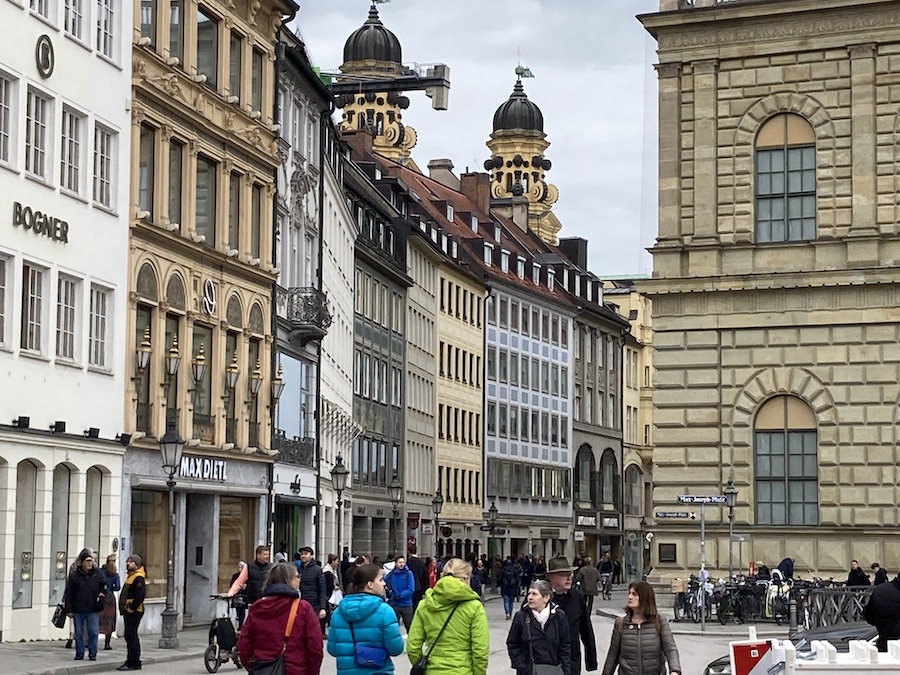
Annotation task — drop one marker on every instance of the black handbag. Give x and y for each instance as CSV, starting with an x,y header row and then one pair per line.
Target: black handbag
x,y
59,616
421,665
540,668
276,665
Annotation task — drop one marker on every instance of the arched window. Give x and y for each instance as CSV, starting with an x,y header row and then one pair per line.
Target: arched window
x,y
59,532
93,507
786,180
786,463
585,476
634,480
609,479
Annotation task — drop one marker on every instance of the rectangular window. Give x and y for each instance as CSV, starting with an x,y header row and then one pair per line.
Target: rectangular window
x,y
234,65
255,220
65,317
105,28
148,21
176,29
149,529
99,321
70,151
786,478
256,76
786,194
207,46
32,307
234,211
74,18
4,287
205,212
147,169
37,119
103,166
176,180
6,119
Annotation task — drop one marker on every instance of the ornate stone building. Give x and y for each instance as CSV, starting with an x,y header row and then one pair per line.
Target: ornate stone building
x,y
775,313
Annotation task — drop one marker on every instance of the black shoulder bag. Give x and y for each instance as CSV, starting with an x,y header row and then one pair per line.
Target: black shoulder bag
x,y
420,666
539,668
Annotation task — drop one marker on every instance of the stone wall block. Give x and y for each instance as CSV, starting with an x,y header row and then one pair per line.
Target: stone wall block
x,y
866,394
831,354
702,338
782,336
852,496
865,354
882,496
866,475
815,336
828,515
702,417
708,377
827,476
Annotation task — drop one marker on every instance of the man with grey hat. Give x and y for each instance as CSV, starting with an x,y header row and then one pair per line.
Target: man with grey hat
x,y
571,601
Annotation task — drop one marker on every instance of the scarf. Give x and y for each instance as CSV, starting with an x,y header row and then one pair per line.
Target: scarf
x,y
542,616
124,599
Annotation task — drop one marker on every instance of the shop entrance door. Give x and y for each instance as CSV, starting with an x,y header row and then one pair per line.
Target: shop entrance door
x,y
200,559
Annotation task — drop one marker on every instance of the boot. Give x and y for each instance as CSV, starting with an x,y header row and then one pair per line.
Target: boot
x,y
69,643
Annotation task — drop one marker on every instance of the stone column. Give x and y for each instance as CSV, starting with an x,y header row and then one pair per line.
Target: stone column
x,y
669,153
862,115
705,151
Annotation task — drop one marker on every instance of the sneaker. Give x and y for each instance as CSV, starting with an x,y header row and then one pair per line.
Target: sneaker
x,y
92,657
124,666
79,657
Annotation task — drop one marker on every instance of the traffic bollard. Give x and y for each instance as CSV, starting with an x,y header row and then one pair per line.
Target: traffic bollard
x,y
792,617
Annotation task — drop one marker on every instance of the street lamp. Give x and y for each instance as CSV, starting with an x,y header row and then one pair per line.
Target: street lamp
x,y
437,505
256,378
339,474
395,490
730,495
170,446
492,521
277,388
142,353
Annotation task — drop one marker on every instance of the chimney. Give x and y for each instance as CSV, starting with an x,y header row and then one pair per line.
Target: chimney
x,y
477,187
441,170
576,250
520,212
360,142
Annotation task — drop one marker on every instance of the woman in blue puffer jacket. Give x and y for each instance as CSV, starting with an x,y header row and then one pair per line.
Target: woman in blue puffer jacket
x,y
374,625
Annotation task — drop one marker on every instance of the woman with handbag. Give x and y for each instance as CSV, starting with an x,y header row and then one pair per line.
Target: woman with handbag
x,y
108,615
364,632
642,641
449,632
539,640
281,635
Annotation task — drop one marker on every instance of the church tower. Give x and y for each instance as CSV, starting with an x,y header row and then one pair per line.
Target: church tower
x,y
517,165
371,52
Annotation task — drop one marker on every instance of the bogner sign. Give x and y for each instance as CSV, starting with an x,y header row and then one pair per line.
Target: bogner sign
x,y
40,223
203,468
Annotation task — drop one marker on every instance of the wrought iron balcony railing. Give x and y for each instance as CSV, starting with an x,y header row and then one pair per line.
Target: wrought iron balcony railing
x,y
297,451
305,310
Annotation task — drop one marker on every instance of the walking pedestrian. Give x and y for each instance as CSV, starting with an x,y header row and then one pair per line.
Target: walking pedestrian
x,y
431,566
85,596
280,622
110,577
131,607
540,568
539,633
240,598
364,620
883,611
450,626
856,576
420,574
642,641
253,576
881,575
312,583
401,584
588,580
508,583
571,601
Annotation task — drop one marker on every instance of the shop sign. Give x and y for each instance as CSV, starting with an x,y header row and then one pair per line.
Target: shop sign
x,y
587,521
547,533
412,520
427,528
611,522
579,535
203,468
44,56
40,223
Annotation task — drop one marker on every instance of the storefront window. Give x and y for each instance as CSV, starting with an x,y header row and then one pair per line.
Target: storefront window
x,y
92,509
59,532
237,516
149,536
23,559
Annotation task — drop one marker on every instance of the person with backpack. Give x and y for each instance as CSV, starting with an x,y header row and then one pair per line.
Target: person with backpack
x,y
539,634
642,642
401,584
508,581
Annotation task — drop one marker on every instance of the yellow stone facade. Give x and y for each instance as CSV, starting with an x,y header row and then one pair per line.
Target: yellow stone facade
x,y
737,321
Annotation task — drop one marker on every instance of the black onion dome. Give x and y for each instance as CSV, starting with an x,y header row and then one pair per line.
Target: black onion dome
x,y
518,112
372,41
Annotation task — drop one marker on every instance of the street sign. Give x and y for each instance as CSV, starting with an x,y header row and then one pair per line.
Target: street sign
x,y
702,499
740,537
485,528
673,514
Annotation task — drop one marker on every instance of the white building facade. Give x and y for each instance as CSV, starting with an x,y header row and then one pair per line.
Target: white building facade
x,y
64,193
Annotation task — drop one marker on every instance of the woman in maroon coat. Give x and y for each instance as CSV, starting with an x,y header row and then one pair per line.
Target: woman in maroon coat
x,y
263,631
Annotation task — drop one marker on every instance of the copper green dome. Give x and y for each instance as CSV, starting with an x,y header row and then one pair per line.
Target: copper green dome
x,y
372,41
518,112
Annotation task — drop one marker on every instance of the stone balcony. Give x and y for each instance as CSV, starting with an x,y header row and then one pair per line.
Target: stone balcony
x,y
304,311
297,451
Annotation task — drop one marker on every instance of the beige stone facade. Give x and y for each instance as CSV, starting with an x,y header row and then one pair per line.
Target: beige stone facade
x,y
738,321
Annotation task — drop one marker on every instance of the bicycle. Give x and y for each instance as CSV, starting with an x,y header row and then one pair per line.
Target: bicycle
x,y
729,606
222,637
606,585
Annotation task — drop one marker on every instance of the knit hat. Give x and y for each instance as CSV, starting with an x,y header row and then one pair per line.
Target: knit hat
x,y
85,553
136,559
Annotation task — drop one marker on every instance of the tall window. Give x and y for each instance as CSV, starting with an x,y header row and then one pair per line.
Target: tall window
x,y
67,289
98,339
105,27
103,166
205,214
32,307
786,180
143,319
585,475
148,20
93,507
234,65
176,29
149,528
176,162
207,46
74,18
6,122
786,463
41,7
255,218
146,169
234,211
59,532
70,151
633,496
4,286
23,556
609,478
37,118
256,73
203,421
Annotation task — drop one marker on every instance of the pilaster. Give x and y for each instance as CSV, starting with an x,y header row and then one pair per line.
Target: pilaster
x,y
705,151
862,115
669,152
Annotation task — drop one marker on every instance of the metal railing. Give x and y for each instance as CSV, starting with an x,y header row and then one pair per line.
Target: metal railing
x,y
831,606
298,451
305,307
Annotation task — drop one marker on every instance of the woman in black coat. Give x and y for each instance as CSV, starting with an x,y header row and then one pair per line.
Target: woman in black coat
x,y
539,633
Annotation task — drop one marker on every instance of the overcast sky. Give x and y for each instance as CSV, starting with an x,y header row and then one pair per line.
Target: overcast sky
x,y
593,81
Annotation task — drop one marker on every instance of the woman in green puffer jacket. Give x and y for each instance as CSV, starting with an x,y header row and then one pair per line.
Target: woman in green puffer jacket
x,y
463,647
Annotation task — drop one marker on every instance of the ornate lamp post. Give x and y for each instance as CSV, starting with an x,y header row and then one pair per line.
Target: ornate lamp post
x,y
731,495
395,490
170,446
339,474
492,521
437,505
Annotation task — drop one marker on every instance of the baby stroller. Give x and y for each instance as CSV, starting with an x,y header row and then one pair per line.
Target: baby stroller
x,y
222,636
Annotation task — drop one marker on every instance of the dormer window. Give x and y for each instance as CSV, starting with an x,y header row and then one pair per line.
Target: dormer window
x,y
377,173
488,253
497,233
444,242
536,273
520,267
454,247
390,242
434,234
450,212
504,260
551,278
475,224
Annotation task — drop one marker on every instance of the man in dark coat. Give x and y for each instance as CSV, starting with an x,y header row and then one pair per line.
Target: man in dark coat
x,y
312,583
253,576
883,612
417,566
881,575
131,606
571,601
84,597
856,576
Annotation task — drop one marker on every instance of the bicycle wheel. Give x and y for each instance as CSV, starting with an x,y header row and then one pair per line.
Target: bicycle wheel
x,y
695,609
211,658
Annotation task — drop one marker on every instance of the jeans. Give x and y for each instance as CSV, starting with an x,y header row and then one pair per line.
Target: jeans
x,y
91,622
132,641
405,614
589,603
507,604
